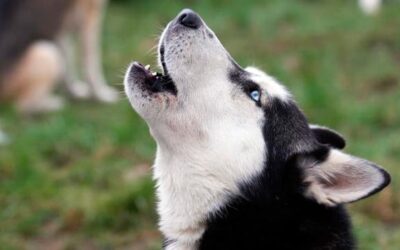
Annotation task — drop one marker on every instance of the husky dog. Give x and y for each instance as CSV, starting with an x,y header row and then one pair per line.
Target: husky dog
x,y
36,52
237,165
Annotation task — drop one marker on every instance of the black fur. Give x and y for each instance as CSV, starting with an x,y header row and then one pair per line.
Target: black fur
x,y
329,137
273,212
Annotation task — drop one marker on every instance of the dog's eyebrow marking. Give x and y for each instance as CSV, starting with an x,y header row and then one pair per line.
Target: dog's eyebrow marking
x,y
272,87
253,78
242,78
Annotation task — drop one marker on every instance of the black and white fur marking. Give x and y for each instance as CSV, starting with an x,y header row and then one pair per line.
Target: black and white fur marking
x,y
238,166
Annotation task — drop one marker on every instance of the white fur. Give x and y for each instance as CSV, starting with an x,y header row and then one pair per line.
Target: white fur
x,y
316,126
3,138
370,7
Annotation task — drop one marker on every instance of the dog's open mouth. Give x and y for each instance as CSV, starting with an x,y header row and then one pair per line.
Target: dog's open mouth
x,y
153,82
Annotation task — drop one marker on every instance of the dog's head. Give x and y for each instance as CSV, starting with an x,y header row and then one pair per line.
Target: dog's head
x,y
235,123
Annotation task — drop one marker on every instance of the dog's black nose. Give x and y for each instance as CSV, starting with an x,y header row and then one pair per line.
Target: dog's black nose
x,y
189,19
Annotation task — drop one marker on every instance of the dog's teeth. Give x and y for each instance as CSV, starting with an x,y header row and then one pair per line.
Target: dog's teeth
x,y
147,67
154,73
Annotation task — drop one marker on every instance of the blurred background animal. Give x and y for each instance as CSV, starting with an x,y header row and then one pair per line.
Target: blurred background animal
x,y
37,50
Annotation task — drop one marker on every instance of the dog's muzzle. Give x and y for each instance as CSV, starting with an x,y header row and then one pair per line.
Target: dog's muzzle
x,y
152,82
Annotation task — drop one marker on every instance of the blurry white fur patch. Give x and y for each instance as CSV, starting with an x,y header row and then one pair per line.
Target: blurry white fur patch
x,y
3,138
370,7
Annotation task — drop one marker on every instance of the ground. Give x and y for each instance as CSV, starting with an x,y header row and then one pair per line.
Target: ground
x,y
81,178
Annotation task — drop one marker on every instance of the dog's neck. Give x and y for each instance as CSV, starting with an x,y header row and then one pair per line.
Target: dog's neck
x,y
187,193
197,182
193,199
198,212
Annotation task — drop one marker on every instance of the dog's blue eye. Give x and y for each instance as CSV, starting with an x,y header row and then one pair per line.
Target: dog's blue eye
x,y
255,95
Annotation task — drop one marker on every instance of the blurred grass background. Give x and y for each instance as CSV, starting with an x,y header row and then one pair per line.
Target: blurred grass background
x,y
81,178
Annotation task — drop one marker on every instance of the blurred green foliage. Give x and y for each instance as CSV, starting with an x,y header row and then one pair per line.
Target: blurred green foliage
x,y
80,179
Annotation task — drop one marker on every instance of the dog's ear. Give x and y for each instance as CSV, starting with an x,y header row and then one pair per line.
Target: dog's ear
x,y
332,177
328,136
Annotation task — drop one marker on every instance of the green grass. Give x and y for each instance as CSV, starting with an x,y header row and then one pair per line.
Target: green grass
x,y
80,179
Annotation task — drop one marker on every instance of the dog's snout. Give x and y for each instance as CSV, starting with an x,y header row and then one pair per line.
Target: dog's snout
x,y
189,19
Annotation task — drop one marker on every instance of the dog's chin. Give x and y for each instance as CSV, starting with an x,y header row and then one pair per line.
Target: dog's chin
x,y
150,82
